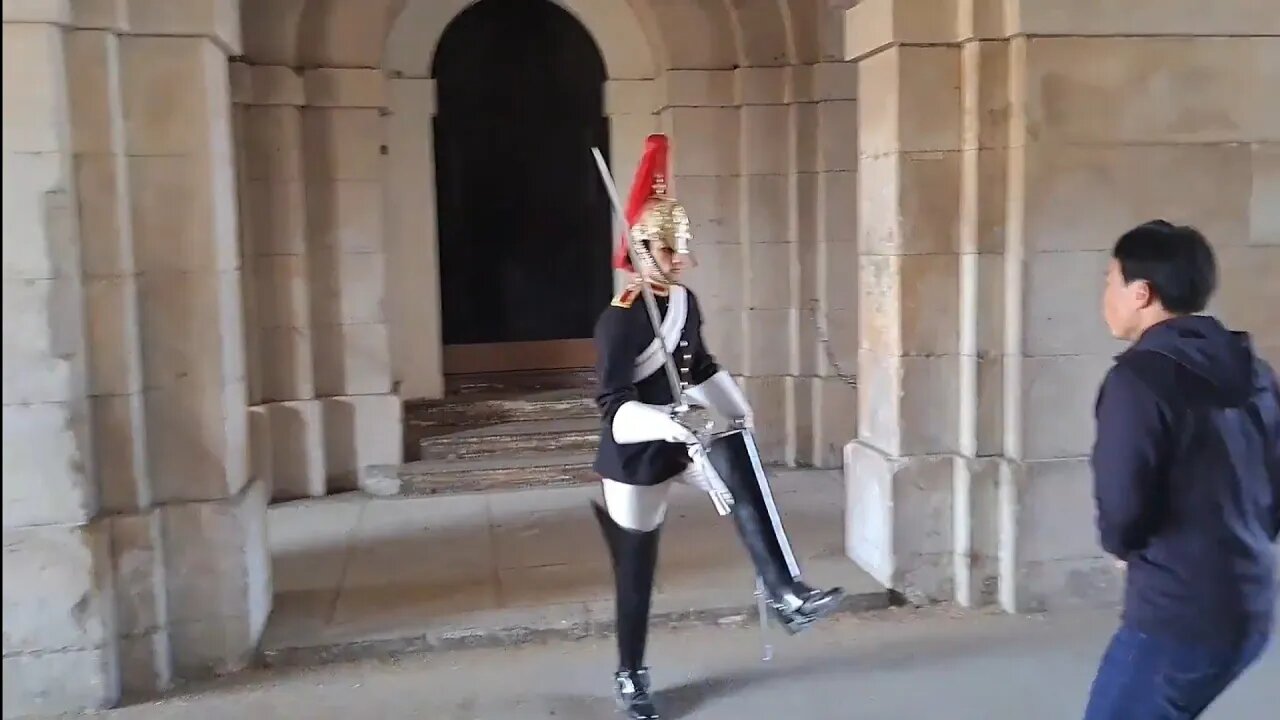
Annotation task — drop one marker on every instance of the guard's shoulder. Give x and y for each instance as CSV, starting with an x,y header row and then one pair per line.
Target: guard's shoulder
x,y
625,298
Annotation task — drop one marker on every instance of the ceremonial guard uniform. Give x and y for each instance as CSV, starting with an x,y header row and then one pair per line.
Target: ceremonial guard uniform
x,y
643,446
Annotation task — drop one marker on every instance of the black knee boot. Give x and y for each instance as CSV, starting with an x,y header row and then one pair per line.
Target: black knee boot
x,y
635,559
795,604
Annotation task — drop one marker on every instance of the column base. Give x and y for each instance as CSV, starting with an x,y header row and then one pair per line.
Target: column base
x,y
297,452
361,431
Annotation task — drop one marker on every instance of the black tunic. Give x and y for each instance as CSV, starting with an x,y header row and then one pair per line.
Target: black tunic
x,y
622,334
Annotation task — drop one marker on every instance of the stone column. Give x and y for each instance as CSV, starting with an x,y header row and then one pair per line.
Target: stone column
x,y
695,109
177,139
901,470
59,608
1110,129
115,352
344,131
770,244
826,191
277,280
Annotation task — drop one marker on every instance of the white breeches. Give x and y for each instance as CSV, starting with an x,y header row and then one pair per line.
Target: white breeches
x,y
636,507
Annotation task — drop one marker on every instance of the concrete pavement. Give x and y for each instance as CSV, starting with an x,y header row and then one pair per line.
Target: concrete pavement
x,y
883,665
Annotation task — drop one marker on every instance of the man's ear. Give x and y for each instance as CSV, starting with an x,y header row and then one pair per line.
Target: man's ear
x,y
1142,293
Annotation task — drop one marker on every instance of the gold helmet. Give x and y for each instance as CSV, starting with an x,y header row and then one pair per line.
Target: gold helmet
x,y
654,218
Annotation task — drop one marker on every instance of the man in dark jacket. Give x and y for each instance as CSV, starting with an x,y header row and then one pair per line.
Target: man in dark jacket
x,y
1187,482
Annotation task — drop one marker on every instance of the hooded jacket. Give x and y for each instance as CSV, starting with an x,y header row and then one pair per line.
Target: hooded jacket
x,y
1187,481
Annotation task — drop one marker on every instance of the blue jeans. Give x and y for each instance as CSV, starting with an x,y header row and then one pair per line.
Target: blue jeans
x,y
1142,677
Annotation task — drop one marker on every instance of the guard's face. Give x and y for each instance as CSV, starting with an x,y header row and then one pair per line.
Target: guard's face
x,y
670,261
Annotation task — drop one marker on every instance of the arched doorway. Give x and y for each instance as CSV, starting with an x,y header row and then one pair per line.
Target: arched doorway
x,y
524,222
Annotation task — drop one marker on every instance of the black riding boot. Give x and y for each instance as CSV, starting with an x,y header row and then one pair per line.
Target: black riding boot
x,y
635,558
795,604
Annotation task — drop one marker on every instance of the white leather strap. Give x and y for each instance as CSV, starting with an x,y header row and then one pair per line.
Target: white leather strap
x,y
650,360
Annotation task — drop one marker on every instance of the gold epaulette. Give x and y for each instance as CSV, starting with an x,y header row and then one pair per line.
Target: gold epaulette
x,y
625,298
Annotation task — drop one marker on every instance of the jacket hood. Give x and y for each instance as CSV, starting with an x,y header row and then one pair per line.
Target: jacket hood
x,y
1223,358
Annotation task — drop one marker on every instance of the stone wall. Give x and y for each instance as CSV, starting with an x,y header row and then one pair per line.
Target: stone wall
x,y
1018,141
134,531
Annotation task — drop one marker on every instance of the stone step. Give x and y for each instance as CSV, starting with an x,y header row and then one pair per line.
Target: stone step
x,y
515,440
483,409
487,474
518,383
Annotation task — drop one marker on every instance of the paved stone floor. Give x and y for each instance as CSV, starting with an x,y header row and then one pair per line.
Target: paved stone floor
x,y
357,576
883,665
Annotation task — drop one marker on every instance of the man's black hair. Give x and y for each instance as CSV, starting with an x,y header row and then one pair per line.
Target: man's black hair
x,y
1175,260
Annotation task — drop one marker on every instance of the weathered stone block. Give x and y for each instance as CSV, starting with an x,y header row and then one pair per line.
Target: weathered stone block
x,y
176,94
766,139
44,354
297,449
771,342
93,87
100,14
57,12
1208,186
141,604
347,216
343,143
106,223
839,207
899,519
115,362
1264,205
1153,90
58,594
281,295
909,203
985,94
873,24
837,136
984,200
276,215
804,123
768,209
724,332
1062,312
704,140
146,665
835,420
625,97
273,143
261,463
218,20
908,405
219,580
36,118
47,465
360,431
696,88
60,682
1143,17
717,277
287,365
1065,584
191,322
834,81
909,304
345,87
1249,290
917,106
772,272
352,359
989,406
1057,398
772,399
713,202
177,214
1055,511
120,451
197,440
39,208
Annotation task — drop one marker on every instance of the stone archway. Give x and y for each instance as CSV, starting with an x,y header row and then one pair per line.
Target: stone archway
x,y
414,292
520,89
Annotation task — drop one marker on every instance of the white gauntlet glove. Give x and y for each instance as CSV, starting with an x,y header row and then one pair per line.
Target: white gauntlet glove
x,y
721,394
636,422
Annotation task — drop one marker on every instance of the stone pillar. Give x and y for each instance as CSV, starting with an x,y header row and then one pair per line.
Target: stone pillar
x,y
1110,129
115,352
59,605
826,175
901,470
344,131
696,110
288,417
177,138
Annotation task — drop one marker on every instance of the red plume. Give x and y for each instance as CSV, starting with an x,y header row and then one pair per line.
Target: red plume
x,y
653,164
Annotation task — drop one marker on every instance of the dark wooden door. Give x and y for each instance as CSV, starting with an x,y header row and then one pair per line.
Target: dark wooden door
x,y
524,222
